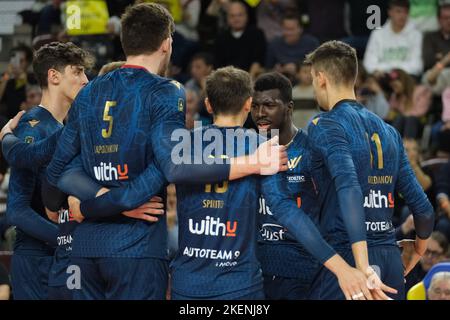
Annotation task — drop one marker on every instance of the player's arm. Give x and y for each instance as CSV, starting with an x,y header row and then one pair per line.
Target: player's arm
x,y
31,156
417,201
26,155
329,139
19,212
20,193
352,281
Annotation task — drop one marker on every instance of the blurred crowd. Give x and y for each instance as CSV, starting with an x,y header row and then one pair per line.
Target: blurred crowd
x,y
404,76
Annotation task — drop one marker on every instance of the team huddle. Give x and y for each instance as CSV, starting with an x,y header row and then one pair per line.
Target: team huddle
x,y
276,214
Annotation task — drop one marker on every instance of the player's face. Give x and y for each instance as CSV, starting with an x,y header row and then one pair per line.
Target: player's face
x,y
73,79
269,111
320,92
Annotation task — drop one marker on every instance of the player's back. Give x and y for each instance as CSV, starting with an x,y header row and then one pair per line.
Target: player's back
x,y
375,152
217,232
116,114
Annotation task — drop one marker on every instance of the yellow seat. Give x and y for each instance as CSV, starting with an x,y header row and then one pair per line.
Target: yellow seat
x,y
417,292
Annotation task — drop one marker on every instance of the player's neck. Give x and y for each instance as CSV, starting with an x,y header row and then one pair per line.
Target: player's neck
x,y
229,121
334,96
57,104
287,134
150,62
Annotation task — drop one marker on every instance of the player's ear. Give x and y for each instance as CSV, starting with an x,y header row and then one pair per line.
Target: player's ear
x,y
165,46
53,76
321,79
290,107
208,106
248,104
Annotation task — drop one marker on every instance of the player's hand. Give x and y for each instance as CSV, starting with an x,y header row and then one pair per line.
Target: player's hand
x,y
353,283
270,157
52,216
11,125
74,209
376,287
145,212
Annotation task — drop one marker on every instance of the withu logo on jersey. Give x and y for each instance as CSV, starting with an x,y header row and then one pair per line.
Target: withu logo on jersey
x,y
106,172
375,200
213,227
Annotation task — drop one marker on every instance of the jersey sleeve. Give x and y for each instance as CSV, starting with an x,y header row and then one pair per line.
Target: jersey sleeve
x,y
29,155
329,139
21,188
298,223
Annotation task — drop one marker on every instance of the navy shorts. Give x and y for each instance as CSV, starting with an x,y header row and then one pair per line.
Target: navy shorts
x,y
280,288
121,278
29,276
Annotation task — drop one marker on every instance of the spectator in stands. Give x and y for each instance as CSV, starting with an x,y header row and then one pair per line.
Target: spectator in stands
x,y
270,13
243,45
438,77
190,15
49,18
423,15
192,108
33,97
291,47
413,151
325,17
442,191
14,81
439,287
359,31
200,67
436,45
437,247
396,45
370,94
304,88
5,288
409,102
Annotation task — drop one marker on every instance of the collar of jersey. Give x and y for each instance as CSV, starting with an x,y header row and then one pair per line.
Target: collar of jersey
x,y
341,102
132,66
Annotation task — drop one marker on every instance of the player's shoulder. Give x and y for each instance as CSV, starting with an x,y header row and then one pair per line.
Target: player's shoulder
x,y
168,86
32,123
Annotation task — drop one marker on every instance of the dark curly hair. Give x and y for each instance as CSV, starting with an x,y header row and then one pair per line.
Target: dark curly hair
x,y
58,55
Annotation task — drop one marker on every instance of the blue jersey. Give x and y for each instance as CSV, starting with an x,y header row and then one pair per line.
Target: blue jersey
x,y
122,124
358,162
279,252
36,235
217,230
